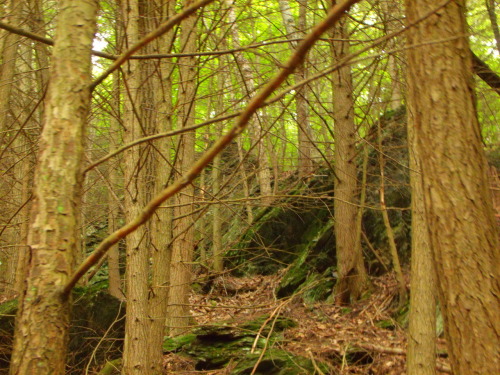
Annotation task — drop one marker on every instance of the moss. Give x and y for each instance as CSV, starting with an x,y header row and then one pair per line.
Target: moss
x,y
279,233
215,346
112,367
279,324
9,307
311,271
389,324
276,362
174,344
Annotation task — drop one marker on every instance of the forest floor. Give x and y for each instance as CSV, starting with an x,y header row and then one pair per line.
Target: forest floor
x,y
324,332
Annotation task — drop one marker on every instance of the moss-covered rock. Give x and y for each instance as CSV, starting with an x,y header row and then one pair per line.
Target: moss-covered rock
x,y
312,270
242,346
279,233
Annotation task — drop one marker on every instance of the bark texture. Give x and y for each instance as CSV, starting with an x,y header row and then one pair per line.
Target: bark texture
x,y
183,226
421,358
135,353
8,226
352,278
43,320
458,205
161,225
114,277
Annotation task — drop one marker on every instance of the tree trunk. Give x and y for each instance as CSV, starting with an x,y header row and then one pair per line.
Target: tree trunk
x,y
8,67
42,323
263,173
421,358
8,227
183,227
492,14
218,260
458,205
391,11
352,278
161,225
114,278
294,31
135,354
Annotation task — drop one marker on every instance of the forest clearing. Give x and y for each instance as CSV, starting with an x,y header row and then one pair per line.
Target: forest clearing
x,y
249,187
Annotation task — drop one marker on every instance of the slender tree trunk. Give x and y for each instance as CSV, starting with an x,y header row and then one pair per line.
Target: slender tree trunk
x,y
22,176
391,11
161,225
458,206
244,183
42,323
491,6
26,180
8,67
218,265
294,31
421,358
38,83
114,287
37,26
183,230
263,173
135,354
9,238
352,277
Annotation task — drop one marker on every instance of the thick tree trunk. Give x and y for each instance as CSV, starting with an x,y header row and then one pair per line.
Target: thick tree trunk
x,y
42,324
352,278
458,205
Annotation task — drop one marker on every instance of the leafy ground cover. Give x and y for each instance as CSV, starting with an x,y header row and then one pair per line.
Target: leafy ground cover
x,y
366,338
